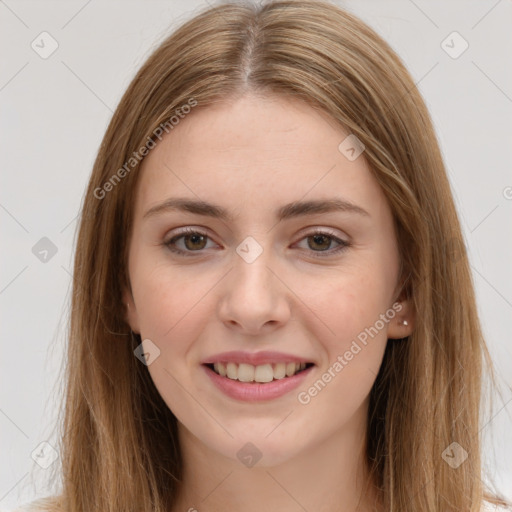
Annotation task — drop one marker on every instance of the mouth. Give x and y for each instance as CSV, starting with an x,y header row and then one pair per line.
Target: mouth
x,y
259,374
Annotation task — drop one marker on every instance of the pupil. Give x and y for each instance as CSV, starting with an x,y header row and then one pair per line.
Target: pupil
x,y
195,239
321,237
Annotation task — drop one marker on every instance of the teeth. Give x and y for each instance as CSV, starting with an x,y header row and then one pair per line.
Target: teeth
x,y
280,371
220,369
261,373
291,368
246,372
232,371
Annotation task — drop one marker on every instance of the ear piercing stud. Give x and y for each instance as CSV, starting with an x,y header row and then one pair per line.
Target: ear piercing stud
x,y
405,322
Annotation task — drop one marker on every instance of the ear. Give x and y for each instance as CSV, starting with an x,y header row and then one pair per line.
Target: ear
x,y
131,315
404,311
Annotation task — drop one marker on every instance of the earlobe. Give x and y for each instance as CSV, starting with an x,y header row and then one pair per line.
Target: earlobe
x,y
130,312
402,324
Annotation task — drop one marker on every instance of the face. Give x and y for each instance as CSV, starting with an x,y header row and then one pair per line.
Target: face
x,y
270,284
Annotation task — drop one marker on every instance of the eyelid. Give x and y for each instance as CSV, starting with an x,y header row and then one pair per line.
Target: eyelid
x,y
188,230
305,233
343,243
311,230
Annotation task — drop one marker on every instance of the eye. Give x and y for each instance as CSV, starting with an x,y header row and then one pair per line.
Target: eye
x,y
320,241
193,239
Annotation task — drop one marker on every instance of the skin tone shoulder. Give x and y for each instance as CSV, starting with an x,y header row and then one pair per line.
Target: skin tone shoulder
x,y
306,284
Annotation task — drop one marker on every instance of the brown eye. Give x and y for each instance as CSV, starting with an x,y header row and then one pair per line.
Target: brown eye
x,y
320,242
194,242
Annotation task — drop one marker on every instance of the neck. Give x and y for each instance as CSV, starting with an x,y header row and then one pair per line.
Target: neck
x,y
328,476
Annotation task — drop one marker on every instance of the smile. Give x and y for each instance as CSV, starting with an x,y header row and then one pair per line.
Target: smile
x,y
263,382
263,373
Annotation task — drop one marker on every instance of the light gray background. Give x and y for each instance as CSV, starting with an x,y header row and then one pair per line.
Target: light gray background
x,y
54,114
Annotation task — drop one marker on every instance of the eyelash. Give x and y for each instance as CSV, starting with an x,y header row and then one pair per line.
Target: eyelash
x,y
317,254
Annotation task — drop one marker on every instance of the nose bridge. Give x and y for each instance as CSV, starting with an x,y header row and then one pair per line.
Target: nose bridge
x,y
252,264
253,296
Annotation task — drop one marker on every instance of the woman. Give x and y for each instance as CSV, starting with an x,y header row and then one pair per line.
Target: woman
x,y
272,306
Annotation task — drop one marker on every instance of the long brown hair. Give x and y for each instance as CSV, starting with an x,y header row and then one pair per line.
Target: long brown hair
x,y
120,449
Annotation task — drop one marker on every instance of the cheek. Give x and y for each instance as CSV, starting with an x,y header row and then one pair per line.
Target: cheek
x,y
352,308
172,311
348,303
169,302
353,345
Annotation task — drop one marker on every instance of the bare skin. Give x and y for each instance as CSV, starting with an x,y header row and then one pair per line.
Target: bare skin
x,y
252,156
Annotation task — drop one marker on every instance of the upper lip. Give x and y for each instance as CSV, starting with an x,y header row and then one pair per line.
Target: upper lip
x,y
254,358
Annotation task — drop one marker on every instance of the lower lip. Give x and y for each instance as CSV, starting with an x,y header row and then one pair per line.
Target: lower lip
x,y
255,391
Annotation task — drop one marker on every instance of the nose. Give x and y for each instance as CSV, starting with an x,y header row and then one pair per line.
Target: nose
x,y
254,296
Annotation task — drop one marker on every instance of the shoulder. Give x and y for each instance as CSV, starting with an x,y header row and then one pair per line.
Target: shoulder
x,y
45,504
491,507
39,505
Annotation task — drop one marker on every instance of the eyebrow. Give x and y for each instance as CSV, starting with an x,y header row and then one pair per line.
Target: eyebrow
x,y
288,211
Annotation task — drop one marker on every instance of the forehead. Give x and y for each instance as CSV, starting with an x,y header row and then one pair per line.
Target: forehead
x,y
260,151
